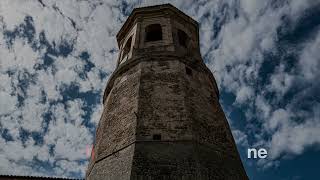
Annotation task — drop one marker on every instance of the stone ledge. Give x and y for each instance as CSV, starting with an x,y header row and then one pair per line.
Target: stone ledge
x,y
196,64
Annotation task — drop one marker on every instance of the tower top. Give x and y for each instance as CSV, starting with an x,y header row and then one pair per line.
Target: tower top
x,y
149,11
153,32
162,30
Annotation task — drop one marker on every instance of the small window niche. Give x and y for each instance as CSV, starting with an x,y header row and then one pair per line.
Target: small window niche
x,y
156,137
153,33
183,38
126,50
188,71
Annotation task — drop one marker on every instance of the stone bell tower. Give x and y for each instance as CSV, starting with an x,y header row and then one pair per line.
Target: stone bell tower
x,y
162,119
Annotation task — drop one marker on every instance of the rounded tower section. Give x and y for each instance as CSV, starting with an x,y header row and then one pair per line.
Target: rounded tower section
x,y
162,118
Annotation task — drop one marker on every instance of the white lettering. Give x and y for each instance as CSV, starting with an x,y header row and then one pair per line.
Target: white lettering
x,y
254,153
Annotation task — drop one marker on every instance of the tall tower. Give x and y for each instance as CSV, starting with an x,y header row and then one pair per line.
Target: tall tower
x,y
162,119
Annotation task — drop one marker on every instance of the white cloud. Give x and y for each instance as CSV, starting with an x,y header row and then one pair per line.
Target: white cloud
x,y
252,7
95,117
19,57
7,103
67,69
75,111
244,94
281,81
240,138
32,114
310,60
279,119
263,107
48,81
238,59
92,33
294,138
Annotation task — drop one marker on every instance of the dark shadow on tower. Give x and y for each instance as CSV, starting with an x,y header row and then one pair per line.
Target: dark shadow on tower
x,y
162,118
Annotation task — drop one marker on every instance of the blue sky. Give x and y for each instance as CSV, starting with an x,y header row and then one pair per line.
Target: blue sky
x,y
56,57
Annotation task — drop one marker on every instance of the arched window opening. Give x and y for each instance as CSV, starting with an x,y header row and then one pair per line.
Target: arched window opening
x,y
153,32
126,50
183,38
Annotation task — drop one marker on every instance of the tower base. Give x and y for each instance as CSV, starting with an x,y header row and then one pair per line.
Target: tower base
x,y
152,160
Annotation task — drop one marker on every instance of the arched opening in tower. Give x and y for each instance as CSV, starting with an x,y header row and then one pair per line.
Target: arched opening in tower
x,y
183,38
126,50
153,32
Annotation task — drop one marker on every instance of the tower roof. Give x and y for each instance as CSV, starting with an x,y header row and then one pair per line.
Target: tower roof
x,y
136,12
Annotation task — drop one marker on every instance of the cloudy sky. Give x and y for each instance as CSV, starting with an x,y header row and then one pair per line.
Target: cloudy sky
x,y
56,57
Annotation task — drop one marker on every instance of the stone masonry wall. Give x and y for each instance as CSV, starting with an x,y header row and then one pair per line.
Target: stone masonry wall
x,y
161,102
117,126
